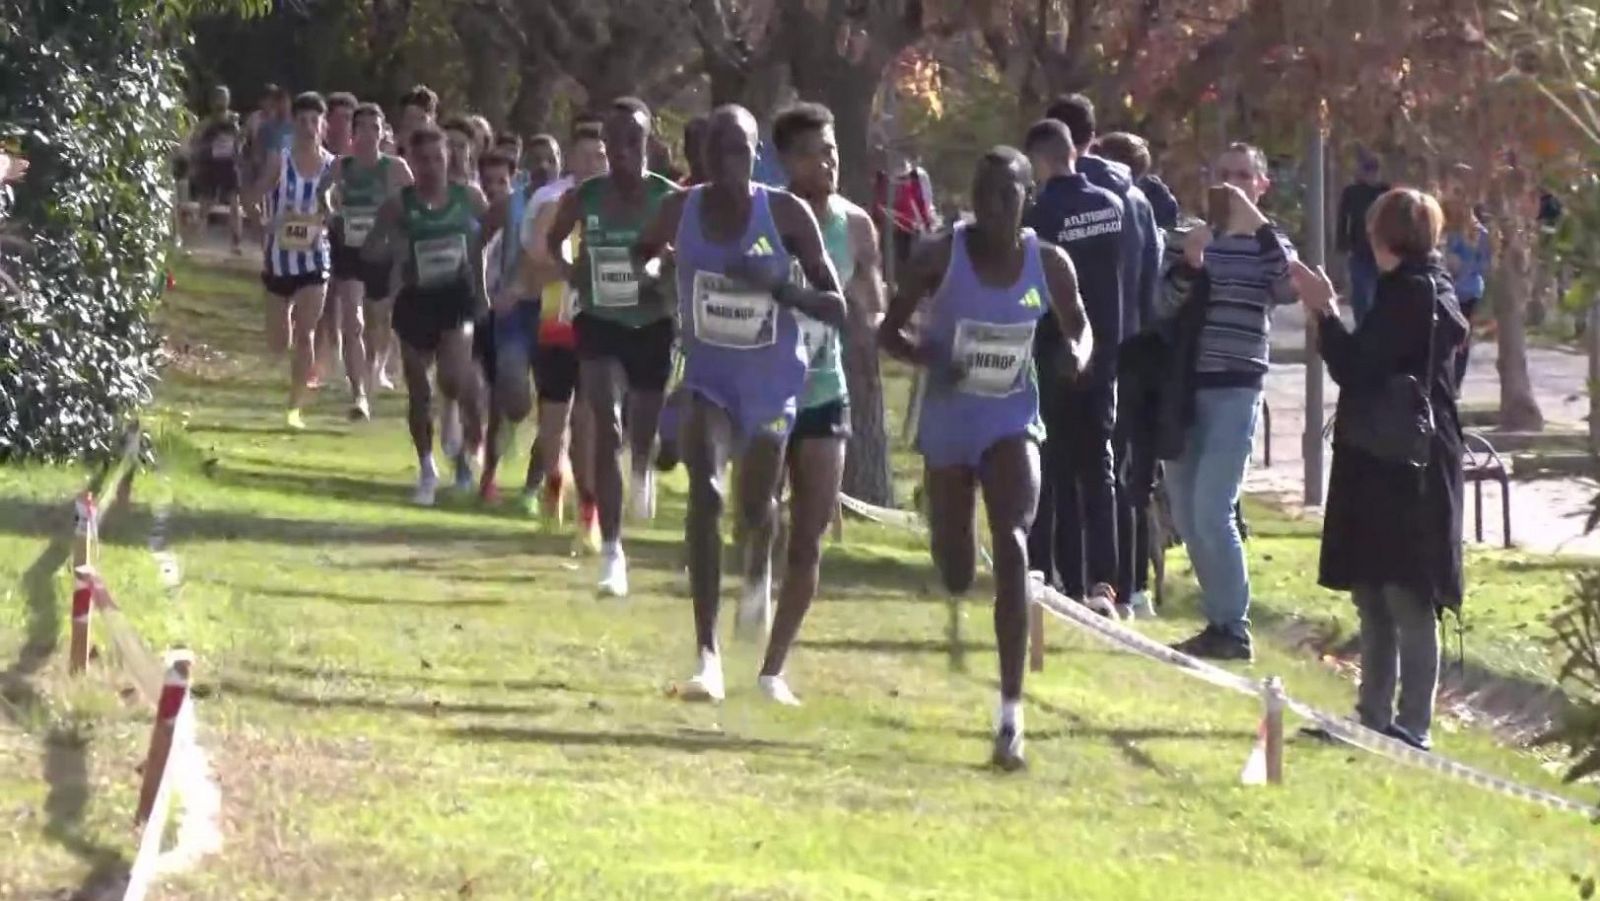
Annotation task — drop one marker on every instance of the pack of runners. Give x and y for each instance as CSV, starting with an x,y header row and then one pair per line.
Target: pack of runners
x,y
642,323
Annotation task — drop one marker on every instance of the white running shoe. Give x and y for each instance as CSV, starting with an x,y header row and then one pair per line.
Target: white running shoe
x,y
427,487
776,690
360,409
1142,606
706,685
613,572
450,430
754,621
642,496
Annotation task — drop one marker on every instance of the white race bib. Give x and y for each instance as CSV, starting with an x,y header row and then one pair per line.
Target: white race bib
x,y
613,282
994,356
727,314
357,226
222,148
299,234
440,261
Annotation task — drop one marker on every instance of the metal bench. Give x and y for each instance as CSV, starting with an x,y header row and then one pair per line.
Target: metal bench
x,y
1481,463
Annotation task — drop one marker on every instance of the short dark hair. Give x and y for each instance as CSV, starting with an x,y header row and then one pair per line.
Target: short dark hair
x,y
422,98
1076,112
426,136
1047,131
1010,157
635,106
495,158
342,100
798,120
1128,149
587,131
367,111
309,102
460,125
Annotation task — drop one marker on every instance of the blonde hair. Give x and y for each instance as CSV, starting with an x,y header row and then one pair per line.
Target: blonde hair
x,y
1406,222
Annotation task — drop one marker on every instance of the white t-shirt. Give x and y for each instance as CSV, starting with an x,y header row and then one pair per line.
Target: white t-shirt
x,y
541,198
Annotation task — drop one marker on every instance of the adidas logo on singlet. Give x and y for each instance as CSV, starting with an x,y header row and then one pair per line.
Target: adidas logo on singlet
x,y
1032,300
762,247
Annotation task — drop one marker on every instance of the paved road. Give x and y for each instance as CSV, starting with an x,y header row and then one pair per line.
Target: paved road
x,y
1547,515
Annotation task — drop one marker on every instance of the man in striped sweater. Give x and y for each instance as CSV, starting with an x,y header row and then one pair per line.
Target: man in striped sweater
x,y
1245,265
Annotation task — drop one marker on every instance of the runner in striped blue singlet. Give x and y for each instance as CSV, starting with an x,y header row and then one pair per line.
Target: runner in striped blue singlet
x,y
987,285
745,364
297,258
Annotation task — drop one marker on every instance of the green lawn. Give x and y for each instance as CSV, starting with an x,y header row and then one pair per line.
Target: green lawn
x,y
420,704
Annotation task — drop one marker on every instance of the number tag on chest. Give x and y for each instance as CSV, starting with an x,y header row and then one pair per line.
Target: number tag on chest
x,y
727,314
299,234
816,335
994,356
440,261
357,226
613,281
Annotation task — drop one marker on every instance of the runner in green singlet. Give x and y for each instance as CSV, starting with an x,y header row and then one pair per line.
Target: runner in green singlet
x,y
434,229
362,182
803,136
624,336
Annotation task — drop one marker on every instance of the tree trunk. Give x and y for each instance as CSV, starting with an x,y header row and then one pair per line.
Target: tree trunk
x,y
491,61
536,95
1519,409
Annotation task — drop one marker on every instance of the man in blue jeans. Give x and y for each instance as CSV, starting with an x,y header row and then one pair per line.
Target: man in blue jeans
x,y
1350,238
1246,268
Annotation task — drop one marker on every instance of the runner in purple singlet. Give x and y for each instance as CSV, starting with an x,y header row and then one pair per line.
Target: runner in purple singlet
x,y
736,245
987,286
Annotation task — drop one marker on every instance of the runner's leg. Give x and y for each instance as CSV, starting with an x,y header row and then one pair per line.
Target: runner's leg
x,y
460,384
951,500
759,475
350,298
305,312
380,340
707,446
416,364
1010,479
601,383
816,470
276,309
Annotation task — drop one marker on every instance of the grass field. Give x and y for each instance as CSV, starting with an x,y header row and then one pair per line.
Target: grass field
x,y
408,703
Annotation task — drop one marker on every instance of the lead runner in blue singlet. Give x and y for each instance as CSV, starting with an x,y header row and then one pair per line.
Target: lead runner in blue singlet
x,y
987,286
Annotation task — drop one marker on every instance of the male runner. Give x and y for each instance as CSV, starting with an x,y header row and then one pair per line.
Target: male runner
x,y
461,148
736,244
330,332
418,108
556,364
803,136
625,334
988,284
268,134
215,149
297,260
363,181
432,228
516,305
1074,536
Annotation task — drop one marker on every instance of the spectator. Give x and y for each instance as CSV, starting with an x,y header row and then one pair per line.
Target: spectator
x,y
1392,532
904,203
1350,238
1134,152
1467,258
1240,274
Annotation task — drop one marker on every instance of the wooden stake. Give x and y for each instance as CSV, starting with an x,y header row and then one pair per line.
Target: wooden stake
x,y
174,692
1272,704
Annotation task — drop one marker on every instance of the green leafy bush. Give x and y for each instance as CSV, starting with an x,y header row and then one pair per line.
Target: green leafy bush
x,y
89,93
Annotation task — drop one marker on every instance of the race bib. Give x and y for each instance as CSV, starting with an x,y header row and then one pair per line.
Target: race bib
x,y
222,147
815,334
357,226
994,356
440,260
727,314
299,234
612,279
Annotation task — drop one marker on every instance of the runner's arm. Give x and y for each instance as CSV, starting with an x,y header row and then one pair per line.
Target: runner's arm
x,y
399,174
822,298
562,223
1077,337
385,232
480,274
265,182
331,180
866,289
657,236
918,281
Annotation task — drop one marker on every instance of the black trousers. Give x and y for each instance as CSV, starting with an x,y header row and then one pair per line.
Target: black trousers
x,y
1137,473
1074,537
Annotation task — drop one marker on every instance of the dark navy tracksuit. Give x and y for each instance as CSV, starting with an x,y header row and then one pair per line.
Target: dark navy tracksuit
x,y
1074,537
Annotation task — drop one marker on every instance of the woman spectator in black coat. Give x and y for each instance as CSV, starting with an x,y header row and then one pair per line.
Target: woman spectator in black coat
x,y
1391,534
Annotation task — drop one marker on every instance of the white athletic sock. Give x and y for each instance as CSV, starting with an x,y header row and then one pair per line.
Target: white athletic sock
x,y
425,464
611,548
1011,715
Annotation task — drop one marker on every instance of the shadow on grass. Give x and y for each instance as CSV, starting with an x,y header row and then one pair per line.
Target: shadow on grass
x,y
420,706
369,600
693,742
266,428
65,752
305,671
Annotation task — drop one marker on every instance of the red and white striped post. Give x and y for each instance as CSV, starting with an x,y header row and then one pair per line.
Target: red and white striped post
x,y
82,602
174,693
